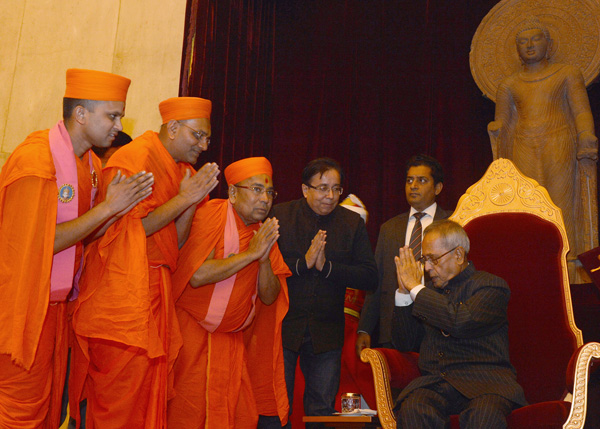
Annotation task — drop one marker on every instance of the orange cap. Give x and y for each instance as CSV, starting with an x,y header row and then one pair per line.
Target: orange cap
x,y
181,108
247,167
96,85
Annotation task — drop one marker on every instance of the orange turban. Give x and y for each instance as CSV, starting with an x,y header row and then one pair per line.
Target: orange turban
x,y
248,167
181,108
96,85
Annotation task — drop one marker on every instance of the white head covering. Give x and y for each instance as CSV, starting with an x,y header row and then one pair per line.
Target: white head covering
x,y
352,202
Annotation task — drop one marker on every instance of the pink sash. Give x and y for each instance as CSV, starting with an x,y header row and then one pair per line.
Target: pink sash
x,y
222,291
62,279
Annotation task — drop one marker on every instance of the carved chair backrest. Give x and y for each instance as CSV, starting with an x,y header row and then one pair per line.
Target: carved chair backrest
x,y
517,233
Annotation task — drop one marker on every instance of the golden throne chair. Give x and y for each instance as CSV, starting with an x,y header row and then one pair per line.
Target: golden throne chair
x,y
517,233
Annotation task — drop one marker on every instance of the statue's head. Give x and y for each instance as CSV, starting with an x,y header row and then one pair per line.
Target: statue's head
x,y
533,23
533,41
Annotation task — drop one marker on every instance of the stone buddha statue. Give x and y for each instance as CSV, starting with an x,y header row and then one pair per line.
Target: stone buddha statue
x,y
544,124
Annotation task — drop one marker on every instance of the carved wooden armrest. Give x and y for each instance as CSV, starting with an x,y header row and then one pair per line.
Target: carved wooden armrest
x,y
383,391
579,370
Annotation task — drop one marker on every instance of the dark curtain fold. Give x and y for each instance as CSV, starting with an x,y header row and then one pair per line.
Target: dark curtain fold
x,y
228,58
367,82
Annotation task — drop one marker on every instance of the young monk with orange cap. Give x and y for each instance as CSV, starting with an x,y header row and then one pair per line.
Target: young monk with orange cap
x,y
229,260
124,319
47,208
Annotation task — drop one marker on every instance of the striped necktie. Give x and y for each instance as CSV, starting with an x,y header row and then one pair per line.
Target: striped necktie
x,y
416,235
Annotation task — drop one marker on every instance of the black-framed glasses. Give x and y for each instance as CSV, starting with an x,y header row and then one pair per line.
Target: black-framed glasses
x,y
199,135
258,191
434,260
324,189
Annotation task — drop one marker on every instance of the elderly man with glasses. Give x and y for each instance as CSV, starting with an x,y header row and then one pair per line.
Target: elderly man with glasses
x,y
327,249
124,318
231,293
459,325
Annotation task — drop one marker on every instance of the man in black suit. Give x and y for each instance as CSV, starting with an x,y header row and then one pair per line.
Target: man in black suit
x,y
424,182
327,249
459,320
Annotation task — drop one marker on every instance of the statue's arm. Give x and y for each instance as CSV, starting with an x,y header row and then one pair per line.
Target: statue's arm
x,y
502,121
587,142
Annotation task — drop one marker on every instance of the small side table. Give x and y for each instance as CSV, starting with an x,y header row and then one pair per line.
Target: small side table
x,y
344,422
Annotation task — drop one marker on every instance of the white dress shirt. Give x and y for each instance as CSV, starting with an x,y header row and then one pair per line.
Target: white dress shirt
x,y
406,299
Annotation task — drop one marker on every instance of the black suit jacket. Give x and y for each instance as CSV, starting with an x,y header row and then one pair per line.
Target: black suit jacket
x,y
379,306
462,331
317,297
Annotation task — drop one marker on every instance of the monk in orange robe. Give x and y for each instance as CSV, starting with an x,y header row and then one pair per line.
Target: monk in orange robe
x,y
230,368
124,319
47,209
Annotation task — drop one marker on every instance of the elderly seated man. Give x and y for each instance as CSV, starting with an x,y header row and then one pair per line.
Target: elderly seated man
x,y
458,323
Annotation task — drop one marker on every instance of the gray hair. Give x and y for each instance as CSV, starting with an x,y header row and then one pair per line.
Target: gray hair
x,y
451,234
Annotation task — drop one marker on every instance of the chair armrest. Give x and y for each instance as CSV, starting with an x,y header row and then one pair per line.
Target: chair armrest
x,y
404,366
578,375
383,391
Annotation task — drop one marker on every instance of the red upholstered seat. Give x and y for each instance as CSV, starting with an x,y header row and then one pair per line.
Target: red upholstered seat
x,y
517,233
403,367
539,324
550,414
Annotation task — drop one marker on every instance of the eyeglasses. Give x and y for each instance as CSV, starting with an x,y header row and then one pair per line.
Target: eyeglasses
x,y
324,189
199,135
434,260
258,191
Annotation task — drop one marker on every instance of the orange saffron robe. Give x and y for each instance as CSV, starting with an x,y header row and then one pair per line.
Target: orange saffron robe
x,y
228,377
124,319
34,336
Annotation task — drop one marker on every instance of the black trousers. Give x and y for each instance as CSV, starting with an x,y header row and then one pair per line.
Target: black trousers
x,y
431,408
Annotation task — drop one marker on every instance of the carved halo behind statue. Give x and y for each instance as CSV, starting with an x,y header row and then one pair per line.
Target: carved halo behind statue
x,y
534,58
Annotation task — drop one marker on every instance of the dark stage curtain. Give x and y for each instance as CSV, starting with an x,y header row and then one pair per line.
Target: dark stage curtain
x,y
367,82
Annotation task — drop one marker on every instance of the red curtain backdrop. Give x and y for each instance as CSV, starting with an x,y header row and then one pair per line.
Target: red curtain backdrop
x,y
369,83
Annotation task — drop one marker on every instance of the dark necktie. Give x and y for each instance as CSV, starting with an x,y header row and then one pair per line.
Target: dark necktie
x,y
415,236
